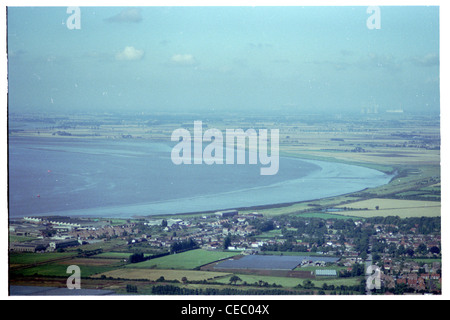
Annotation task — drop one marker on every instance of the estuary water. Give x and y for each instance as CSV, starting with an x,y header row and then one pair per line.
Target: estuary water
x,y
127,178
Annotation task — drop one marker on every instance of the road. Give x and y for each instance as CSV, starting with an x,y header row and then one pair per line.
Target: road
x,y
368,263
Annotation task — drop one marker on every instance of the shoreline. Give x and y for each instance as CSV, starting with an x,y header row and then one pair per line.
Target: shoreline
x,y
394,171
139,210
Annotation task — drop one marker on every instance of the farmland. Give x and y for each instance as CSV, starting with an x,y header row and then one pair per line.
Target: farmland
x,y
389,222
308,243
290,282
56,264
184,261
155,274
392,207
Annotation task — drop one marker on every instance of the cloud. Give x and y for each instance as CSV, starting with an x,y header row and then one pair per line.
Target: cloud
x,y
386,62
129,54
183,60
428,60
132,15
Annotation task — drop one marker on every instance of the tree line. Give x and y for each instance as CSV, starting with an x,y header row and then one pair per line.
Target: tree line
x,y
175,290
180,246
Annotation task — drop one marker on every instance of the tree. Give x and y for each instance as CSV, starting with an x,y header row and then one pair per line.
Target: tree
x,y
235,279
363,255
410,252
357,270
435,250
422,249
131,288
226,242
307,284
376,258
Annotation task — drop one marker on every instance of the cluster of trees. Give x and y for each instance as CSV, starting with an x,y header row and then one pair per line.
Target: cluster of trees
x,y
307,286
181,246
357,271
315,228
137,257
423,225
315,231
131,288
263,225
398,251
335,289
284,247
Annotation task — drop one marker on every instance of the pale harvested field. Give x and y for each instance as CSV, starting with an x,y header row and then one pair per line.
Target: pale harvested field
x,y
393,207
380,156
154,274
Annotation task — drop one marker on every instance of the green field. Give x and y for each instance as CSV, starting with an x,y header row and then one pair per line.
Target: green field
x,y
59,270
290,282
56,264
33,258
269,234
155,274
116,255
324,215
185,261
15,238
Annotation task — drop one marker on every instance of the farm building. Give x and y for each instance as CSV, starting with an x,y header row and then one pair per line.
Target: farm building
x,y
59,244
42,245
227,214
326,273
27,246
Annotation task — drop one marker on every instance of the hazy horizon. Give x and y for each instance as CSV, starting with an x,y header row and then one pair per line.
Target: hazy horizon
x,y
223,59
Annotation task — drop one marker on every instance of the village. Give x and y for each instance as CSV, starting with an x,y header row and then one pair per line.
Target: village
x,y
407,254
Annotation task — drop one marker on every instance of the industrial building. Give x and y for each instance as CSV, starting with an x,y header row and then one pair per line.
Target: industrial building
x,y
227,214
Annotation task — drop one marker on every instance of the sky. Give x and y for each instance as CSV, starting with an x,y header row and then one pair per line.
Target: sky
x,y
252,60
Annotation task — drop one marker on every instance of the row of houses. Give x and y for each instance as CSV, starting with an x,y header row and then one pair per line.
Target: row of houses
x,y
411,240
420,282
104,231
55,222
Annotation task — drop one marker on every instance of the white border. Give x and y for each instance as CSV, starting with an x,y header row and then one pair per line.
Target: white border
x,y
444,65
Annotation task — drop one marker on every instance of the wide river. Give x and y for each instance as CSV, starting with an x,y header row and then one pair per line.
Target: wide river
x,y
126,178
